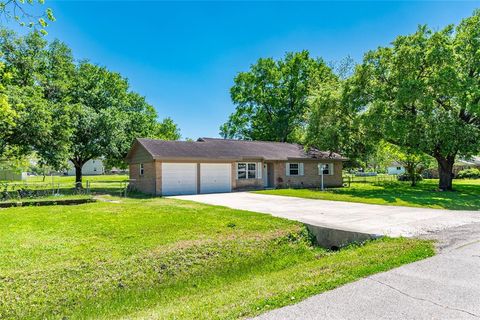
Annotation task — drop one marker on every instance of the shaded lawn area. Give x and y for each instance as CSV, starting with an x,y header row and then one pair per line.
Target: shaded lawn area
x,y
466,195
170,259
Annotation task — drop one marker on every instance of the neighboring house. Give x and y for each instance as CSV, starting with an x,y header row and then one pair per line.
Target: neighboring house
x,y
12,175
395,168
467,163
116,170
90,168
219,165
459,165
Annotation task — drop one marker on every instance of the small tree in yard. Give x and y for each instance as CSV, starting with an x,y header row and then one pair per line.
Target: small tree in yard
x,y
423,93
414,162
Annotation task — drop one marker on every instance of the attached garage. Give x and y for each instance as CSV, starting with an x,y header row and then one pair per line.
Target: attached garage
x,y
179,178
215,177
208,165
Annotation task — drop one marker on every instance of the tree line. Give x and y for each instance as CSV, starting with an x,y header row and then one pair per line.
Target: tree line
x,y
60,109
420,96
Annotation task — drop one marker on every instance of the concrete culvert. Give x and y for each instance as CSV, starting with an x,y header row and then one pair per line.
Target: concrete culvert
x,y
334,239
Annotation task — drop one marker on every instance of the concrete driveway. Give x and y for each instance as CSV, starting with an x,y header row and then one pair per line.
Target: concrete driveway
x,y
357,217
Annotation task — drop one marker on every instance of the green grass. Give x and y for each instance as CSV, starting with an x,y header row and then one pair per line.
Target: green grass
x,y
65,185
50,198
168,259
71,179
466,195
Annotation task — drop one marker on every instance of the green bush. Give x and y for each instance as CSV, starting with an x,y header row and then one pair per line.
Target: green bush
x,y
469,174
406,177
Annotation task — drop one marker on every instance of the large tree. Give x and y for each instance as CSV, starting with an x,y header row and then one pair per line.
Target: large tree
x,y
337,124
422,92
64,110
30,120
106,116
272,98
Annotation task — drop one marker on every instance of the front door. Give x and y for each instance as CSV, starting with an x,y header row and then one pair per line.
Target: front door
x,y
265,175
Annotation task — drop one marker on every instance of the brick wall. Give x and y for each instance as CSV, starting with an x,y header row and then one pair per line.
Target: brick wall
x,y
310,179
151,181
145,183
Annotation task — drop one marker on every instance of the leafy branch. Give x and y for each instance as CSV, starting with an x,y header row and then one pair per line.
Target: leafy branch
x,y
21,11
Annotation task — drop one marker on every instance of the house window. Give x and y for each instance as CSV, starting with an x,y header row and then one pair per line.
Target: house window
x,y
325,169
246,170
94,169
141,169
399,168
93,161
293,169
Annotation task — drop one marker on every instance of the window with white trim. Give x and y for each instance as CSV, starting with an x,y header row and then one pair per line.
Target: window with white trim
x,y
246,170
141,169
327,169
293,169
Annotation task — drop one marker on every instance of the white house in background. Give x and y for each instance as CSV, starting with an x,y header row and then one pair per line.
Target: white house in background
x,y
12,175
395,168
90,168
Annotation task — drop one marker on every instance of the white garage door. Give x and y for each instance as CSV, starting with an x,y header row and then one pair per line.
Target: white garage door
x,y
179,178
215,177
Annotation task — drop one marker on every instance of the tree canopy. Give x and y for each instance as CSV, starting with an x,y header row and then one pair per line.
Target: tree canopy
x,y
422,92
337,125
67,110
272,98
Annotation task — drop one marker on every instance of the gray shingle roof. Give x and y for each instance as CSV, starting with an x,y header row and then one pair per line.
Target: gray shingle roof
x,y
212,148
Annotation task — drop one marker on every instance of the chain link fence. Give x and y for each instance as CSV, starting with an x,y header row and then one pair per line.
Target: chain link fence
x,y
348,179
14,191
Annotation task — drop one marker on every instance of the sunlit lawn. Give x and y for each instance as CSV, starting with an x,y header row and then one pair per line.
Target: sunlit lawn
x,y
465,197
167,259
71,179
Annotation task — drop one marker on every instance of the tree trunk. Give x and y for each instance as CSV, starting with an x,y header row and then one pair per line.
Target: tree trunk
x,y
445,172
410,168
414,178
78,176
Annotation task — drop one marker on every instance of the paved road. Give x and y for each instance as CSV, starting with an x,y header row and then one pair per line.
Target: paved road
x,y
446,286
359,217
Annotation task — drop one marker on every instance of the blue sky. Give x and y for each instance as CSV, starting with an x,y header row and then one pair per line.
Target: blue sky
x,y
183,56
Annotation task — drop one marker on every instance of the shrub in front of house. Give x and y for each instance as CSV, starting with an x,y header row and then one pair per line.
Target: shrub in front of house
x,y
469,174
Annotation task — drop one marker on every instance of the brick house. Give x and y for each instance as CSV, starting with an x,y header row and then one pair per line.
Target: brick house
x,y
211,165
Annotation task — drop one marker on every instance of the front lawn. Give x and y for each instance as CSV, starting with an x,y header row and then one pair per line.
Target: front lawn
x,y
465,197
168,259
